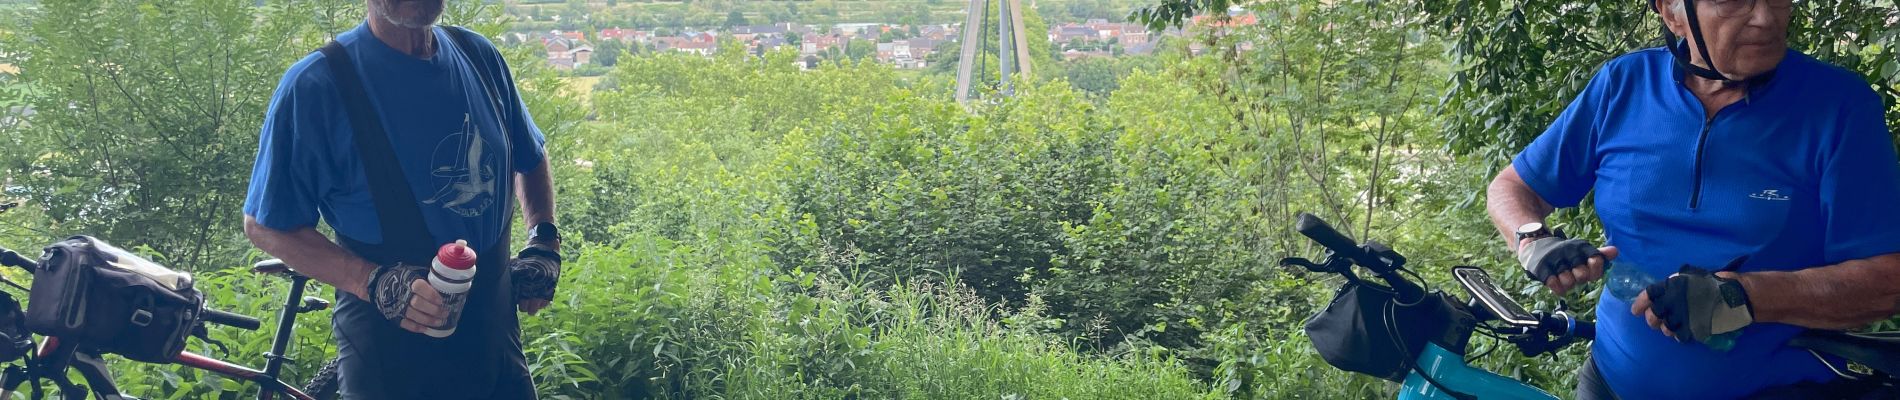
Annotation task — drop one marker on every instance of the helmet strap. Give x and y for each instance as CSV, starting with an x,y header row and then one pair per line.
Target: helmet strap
x,y
1702,47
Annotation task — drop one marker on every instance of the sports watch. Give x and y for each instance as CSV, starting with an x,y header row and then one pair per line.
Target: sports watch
x,y
1532,230
544,232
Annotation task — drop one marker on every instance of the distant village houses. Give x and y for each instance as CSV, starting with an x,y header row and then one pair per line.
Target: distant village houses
x,y
1100,38
567,50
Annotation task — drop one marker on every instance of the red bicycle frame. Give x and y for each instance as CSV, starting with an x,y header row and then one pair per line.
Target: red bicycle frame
x,y
54,357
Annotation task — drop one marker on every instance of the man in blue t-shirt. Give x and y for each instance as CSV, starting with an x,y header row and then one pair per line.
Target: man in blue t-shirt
x,y
1699,153
403,136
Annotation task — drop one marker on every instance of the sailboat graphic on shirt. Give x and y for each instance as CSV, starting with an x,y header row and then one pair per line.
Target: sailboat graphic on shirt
x,y
463,174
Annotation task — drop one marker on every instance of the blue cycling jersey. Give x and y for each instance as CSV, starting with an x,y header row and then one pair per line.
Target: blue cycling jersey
x,y
440,124
1801,173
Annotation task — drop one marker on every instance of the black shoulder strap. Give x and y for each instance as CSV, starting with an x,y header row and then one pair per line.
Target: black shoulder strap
x,y
466,46
462,42
396,209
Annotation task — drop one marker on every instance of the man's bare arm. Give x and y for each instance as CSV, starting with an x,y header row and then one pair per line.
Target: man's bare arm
x,y
1512,204
1848,295
535,190
313,255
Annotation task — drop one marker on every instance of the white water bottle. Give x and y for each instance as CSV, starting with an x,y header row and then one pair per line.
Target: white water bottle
x,y
451,274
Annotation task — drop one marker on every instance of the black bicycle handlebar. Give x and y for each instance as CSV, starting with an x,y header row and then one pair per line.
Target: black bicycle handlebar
x,y
1373,256
1563,324
1552,332
13,259
231,319
1314,228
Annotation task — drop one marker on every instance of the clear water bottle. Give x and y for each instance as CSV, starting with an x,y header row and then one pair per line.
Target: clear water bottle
x,y
1625,281
451,274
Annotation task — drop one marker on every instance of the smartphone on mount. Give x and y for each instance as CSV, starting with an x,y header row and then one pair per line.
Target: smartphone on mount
x,y
1482,288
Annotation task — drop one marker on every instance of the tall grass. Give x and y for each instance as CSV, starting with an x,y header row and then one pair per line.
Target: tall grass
x,y
657,322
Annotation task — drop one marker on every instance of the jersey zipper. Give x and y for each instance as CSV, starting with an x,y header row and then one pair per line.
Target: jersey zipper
x,y
1701,146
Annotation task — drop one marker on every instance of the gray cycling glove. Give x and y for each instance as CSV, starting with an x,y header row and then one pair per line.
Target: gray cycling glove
x,y
389,289
1546,257
1696,304
535,271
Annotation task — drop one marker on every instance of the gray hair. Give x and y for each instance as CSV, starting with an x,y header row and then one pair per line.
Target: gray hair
x,y
1676,7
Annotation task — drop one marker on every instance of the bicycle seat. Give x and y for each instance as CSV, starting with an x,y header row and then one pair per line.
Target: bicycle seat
x,y
1877,350
274,267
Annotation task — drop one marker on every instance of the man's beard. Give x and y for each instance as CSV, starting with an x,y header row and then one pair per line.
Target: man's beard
x,y
411,14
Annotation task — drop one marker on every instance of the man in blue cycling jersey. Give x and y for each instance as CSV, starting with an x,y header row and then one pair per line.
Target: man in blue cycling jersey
x,y
1699,153
402,136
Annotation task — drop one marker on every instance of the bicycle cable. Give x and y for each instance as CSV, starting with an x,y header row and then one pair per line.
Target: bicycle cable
x,y
1487,351
1422,284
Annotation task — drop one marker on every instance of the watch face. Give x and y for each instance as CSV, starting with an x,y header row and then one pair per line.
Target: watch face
x,y
543,231
1530,228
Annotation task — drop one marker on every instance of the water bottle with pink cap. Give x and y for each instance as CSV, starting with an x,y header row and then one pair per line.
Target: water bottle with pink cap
x,y
451,274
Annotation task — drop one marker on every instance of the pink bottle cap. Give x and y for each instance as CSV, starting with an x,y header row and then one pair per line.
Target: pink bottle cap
x,y
456,255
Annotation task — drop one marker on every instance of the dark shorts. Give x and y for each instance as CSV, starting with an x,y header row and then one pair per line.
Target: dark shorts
x,y
481,360
1590,384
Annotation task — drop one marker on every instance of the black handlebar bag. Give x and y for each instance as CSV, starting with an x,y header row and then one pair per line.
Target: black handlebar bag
x,y
1365,329
102,296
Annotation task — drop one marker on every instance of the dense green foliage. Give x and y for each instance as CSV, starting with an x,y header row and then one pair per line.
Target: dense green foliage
x,y
744,229
133,95
590,15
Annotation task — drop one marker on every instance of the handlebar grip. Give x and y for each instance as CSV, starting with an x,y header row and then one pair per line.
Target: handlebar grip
x,y
1568,325
232,319
1314,228
13,259
1343,246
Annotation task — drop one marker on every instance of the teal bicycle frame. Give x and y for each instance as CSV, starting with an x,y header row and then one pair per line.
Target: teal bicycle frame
x,y
1450,369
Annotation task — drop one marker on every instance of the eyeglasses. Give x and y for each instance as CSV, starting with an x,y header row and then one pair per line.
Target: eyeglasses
x,y
1734,8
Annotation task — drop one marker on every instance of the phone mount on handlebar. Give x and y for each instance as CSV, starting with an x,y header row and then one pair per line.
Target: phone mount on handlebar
x,y
1534,333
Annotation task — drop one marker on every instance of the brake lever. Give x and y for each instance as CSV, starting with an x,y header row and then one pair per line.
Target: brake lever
x,y
1302,262
1533,344
204,334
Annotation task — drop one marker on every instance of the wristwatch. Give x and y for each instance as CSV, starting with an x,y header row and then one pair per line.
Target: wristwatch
x,y
1531,231
544,232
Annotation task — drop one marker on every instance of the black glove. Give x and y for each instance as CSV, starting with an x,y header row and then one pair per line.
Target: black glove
x,y
389,289
1696,304
535,272
1546,257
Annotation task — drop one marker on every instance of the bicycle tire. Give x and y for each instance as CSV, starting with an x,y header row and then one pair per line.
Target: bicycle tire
x,y
324,385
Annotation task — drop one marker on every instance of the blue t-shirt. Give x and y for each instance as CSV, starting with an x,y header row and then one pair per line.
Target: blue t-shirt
x,y
1799,174
440,123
